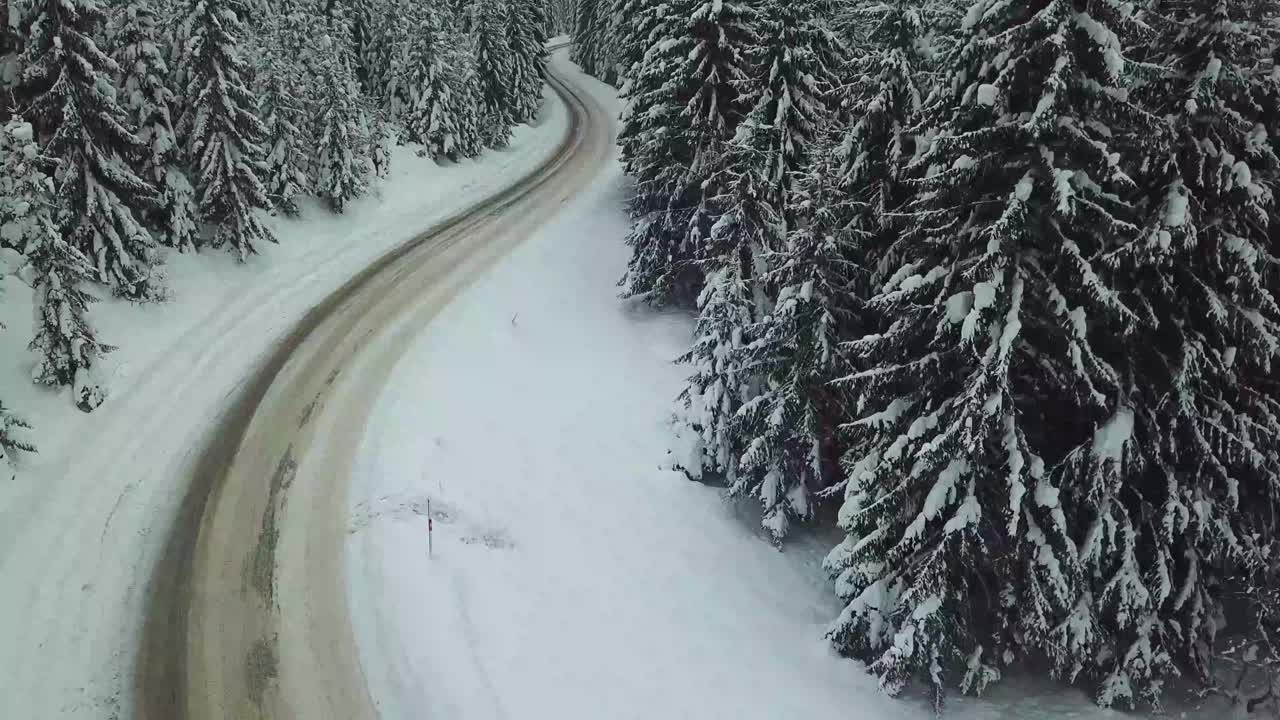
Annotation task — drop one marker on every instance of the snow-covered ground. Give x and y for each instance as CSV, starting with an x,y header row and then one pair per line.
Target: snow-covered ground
x,y
83,522
571,574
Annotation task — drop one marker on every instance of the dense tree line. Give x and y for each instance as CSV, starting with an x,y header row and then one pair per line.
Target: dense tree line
x,y
136,128
996,282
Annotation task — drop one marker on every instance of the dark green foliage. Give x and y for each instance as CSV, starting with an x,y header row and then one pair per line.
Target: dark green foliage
x,y
69,82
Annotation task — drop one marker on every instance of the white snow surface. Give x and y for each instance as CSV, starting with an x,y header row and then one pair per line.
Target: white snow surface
x,y
572,575
84,520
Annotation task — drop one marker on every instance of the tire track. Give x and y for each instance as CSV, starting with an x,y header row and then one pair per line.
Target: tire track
x,y
218,644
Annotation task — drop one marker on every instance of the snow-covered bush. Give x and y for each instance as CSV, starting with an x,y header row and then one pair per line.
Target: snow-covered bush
x,y
66,346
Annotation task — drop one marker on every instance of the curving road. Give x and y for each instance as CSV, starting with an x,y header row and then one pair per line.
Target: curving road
x,y
247,616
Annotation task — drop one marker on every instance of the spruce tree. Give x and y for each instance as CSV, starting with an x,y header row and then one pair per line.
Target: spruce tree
x,y
790,429
528,51
465,78
226,138
603,44
436,96
381,53
286,107
720,384
889,83
991,372
536,28
586,39
70,82
1191,508
10,46
64,341
793,61
495,71
838,221
20,183
686,102
746,225
148,96
631,27
342,164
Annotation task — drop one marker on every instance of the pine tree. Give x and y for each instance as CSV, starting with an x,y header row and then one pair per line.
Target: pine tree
x,y
145,81
63,338
528,51
720,385
342,165
381,51
16,225
790,427
225,136
536,27
495,70
1191,509
992,372
746,225
287,108
631,27
586,41
70,83
436,93
686,101
461,53
751,223
888,85
602,44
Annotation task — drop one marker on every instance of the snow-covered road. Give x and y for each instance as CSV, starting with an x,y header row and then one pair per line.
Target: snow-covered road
x,y
86,522
262,585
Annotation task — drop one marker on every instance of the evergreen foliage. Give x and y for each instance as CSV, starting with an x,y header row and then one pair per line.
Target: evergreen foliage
x,y
286,107
1028,296
586,36
225,136
685,102
964,487
70,84
435,94
495,73
343,161
527,42
64,342
1200,370
148,96
788,106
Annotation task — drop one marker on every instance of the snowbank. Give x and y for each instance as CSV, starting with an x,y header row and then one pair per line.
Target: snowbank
x,y
82,524
571,575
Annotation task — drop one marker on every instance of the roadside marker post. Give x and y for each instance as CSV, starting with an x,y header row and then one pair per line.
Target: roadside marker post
x,y
430,549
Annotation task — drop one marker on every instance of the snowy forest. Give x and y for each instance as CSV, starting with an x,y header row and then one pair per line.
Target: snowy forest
x,y
990,286
137,128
